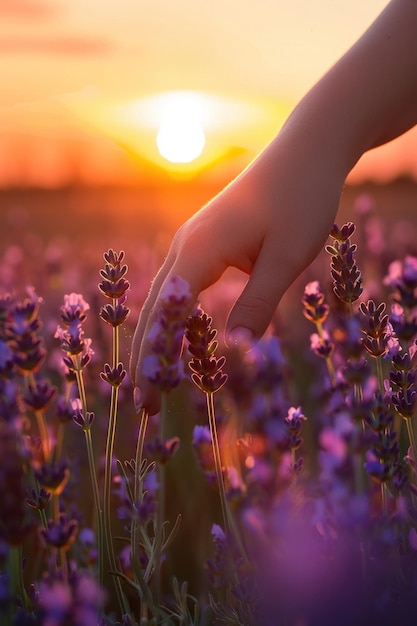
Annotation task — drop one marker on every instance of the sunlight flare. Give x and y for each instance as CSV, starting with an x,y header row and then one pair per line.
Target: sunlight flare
x,y
181,137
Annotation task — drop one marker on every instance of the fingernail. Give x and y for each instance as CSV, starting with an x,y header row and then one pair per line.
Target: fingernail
x,y
137,399
240,336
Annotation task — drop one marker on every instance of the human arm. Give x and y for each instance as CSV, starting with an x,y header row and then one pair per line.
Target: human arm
x,y
273,219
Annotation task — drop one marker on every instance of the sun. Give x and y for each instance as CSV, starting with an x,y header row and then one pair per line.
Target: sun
x,y
181,137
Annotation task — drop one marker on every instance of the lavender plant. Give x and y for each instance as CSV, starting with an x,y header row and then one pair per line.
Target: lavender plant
x,y
316,522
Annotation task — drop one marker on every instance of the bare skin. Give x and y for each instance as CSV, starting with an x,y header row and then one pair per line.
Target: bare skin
x,y
274,218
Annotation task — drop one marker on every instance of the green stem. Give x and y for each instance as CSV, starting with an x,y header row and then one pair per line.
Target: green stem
x,y
384,499
44,435
29,379
328,359
16,575
217,457
115,342
160,514
93,476
228,520
137,492
107,499
43,517
410,431
380,373
81,388
111,432
137,496
99,512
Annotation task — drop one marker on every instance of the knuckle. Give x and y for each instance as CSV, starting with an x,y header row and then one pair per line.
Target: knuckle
x,y
253,304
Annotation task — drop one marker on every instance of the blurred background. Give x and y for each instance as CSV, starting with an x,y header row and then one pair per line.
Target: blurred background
x,y
118,120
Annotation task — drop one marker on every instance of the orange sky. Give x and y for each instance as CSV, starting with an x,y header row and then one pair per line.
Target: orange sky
x,y
71,69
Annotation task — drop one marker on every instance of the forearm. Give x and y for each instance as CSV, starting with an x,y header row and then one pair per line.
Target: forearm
x,y
369,97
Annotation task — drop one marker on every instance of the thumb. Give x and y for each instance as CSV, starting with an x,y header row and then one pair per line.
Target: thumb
x,y
253,310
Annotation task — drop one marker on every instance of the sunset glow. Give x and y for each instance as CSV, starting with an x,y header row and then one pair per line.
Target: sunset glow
x,y
183,131
91,96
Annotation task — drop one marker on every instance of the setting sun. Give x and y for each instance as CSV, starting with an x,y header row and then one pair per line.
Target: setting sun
x,y
181,138
185,131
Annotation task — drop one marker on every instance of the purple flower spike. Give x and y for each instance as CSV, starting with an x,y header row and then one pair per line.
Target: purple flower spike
x,y
206,368
162,367
347,282
60,534
74,309
39,394
114,285
113,376
315,309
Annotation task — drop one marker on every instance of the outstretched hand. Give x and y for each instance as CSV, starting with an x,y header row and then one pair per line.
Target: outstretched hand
x,y
270,223
274,218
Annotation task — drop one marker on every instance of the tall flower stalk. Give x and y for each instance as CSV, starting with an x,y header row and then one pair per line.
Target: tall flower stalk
x,y
23,332
113,286
379,339
347,281
316,310
78,354
404,391
137,500
165,370
207,374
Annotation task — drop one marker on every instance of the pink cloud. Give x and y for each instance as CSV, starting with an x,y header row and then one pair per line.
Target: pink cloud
x,y
63,46
27,9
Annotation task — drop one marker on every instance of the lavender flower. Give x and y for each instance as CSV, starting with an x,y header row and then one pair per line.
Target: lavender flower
x,y
404,325
114,315
77,348
162,367
379,335
294,422
38,499
60,534
315,309
347,283
76,601
401,279
323,345
113,375
206,368
22,330
78,417
53,476
74,310
39,394
161,452
403,380
202,446
114,285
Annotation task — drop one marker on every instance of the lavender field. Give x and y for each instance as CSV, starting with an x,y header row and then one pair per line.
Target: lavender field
x,y
278,484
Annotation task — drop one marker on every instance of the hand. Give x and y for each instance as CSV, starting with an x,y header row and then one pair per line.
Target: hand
x,y
270,223
274,218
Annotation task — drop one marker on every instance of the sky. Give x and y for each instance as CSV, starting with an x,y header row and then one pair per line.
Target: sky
x,y
81,81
